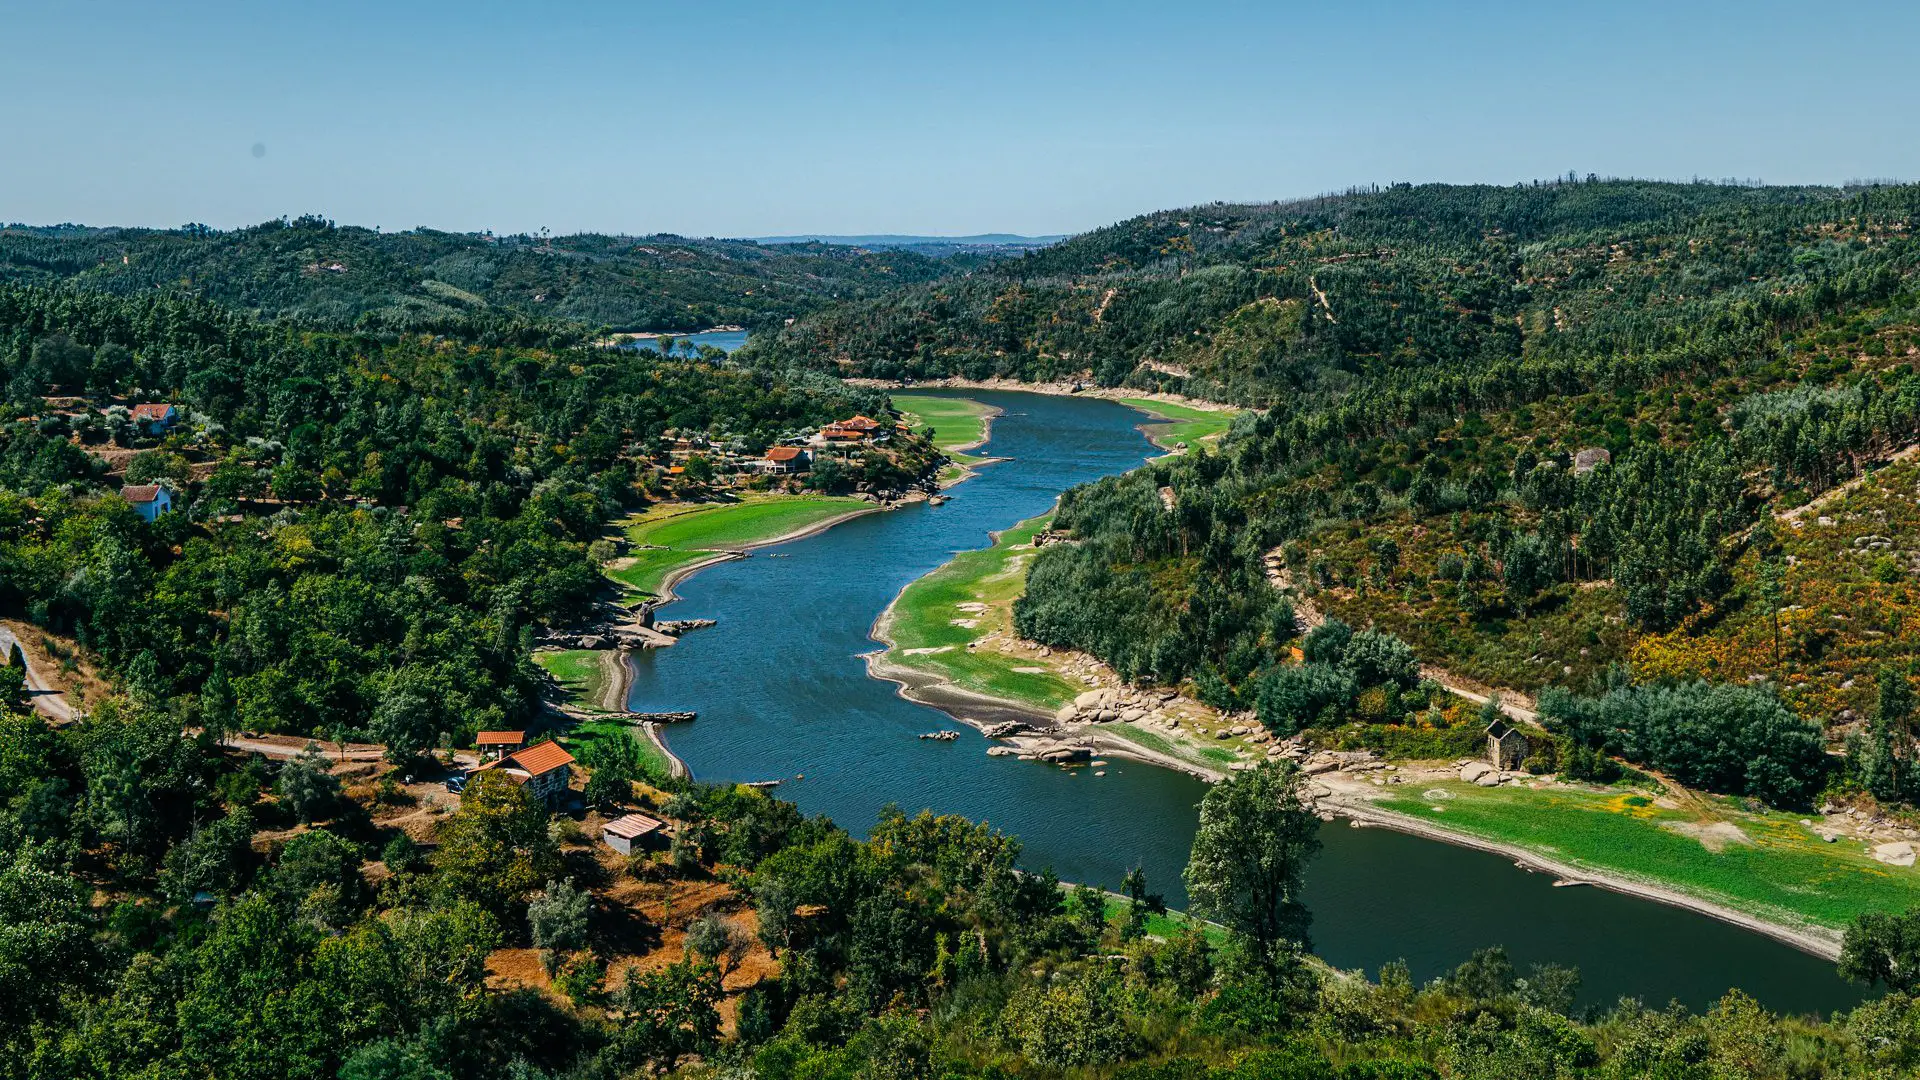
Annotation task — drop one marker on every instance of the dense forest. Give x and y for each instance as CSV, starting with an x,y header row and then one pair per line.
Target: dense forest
x,y
1526,429
319,273
376,523
171,910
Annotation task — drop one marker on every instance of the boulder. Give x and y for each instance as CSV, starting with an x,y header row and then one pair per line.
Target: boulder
x,y
1066,714
1899,853
1090,699
1488,779
1472,771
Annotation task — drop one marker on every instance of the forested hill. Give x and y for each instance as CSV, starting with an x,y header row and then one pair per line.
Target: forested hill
x,y
1250,303
1551,436
311,270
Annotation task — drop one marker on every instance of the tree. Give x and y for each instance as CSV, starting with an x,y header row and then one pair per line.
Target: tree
x,y
1883,948
1141,904
408,716
669,1014
14,694
307,785
46,943
318,875
494,850
1070,1020
1885,759
557,918
217,859
1250,856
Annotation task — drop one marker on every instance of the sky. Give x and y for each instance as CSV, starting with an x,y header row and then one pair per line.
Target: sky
x,y
747,118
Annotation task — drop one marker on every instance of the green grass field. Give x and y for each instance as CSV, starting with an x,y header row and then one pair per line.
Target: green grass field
x,y
666,538
584,735
1780,872
579,671
956,422
925,614
1181,423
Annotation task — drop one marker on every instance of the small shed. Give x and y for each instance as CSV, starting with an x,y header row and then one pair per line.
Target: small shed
x,y
1506,748
623,834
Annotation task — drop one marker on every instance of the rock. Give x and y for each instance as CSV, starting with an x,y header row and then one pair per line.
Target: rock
x,y
1472,771
1088,700
1315,768
1488,779
1066,714
1004,729
1001,751
1899,853
1223,734
1132,716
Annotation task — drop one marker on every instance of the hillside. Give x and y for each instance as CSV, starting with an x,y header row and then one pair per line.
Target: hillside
x,y
312,270
1539,433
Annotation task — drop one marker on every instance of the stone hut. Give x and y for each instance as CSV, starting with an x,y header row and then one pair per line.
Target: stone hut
x,y
1506,748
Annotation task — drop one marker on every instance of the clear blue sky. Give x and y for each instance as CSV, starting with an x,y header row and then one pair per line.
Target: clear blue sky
x,y
735,117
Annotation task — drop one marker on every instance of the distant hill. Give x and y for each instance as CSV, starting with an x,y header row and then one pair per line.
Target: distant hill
x,y
980,242
314,270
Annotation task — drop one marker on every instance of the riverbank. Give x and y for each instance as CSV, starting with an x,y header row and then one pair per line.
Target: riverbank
x,y
950,644
1361,804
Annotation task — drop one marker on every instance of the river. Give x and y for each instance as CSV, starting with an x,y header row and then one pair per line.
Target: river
x,y
783,694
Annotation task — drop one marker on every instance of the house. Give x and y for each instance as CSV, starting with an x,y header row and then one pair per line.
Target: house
x,y
544,768
154,419
151,500
623,834
785,459
865,425
841,433
1506,748
498,744
1590,459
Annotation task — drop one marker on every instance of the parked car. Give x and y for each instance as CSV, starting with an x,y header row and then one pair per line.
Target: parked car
x,y
457,783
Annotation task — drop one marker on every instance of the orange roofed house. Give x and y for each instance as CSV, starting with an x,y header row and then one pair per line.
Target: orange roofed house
x,y
543,767
498,744
785,459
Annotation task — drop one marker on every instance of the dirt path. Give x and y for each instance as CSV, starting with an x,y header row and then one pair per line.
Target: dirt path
x,y
1515,704
1842,490
49,700
289,746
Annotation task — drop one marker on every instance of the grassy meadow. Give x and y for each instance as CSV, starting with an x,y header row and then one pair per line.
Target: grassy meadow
x,y
956,422
669,537
1182,423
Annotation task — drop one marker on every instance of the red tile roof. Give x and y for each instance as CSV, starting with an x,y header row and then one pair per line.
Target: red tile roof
x,y
541,759
634,826
784,453
151,411
861,423
140,493
501,738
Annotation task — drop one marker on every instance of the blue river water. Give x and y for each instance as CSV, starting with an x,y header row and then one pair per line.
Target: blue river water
x,y
783,694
